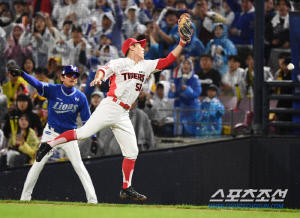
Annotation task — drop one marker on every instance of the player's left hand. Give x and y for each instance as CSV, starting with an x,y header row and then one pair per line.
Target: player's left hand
x,y
184,27
15,72
94,146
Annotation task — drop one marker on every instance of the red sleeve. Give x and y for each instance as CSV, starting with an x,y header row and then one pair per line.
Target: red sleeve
x,y
164,62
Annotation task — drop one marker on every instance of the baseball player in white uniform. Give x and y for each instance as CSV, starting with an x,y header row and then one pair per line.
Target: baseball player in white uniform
x,y
126,76
64,103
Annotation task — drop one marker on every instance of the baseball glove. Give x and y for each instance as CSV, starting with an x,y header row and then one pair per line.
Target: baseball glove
x,y
15,72
184,27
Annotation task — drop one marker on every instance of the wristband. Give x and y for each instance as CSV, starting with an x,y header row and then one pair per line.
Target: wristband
x,y
181,43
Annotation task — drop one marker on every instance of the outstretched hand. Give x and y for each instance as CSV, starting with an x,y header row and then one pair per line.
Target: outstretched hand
x,y
95,82
98,77
15,72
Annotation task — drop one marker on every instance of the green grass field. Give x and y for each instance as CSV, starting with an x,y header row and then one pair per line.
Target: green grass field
x,y
43,209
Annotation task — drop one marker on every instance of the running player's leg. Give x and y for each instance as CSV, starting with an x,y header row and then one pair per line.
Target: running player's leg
x,y
104,115
73,153
37,167
125,135
32,177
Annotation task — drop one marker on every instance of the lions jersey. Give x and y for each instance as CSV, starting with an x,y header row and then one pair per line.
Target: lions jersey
x,y
127,77
63,109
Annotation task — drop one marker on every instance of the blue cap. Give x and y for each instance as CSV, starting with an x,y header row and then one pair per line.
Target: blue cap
x,y
70,69
108,35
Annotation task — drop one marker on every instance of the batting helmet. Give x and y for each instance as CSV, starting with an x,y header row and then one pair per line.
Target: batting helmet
x,y
70,69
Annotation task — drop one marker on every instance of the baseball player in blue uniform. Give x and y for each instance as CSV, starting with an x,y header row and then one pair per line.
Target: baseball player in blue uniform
x,y
64,104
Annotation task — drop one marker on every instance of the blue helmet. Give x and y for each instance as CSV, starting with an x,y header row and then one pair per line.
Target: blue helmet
x,y
70,69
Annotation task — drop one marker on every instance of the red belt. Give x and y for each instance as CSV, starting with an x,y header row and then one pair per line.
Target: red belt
x,y
125,106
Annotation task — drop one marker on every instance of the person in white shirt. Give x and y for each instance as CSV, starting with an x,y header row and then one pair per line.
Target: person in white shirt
x,y
227,13
65,33
161,112
77,12
41,36
131,27
233,83
59,12
127,76
74,49
248,74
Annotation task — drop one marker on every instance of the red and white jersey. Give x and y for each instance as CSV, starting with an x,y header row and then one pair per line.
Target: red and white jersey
x,y
127,77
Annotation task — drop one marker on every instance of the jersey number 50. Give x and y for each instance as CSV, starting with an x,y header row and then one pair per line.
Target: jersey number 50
x,y
138,87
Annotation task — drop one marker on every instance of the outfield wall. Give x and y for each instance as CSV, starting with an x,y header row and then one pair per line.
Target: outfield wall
x,y
182,175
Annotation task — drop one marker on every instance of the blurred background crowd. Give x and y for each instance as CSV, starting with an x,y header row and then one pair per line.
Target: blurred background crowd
x,y
192,98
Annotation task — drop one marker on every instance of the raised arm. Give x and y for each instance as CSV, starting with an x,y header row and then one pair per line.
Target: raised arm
x,y
184,28
31,80
34,82
165,62
119,15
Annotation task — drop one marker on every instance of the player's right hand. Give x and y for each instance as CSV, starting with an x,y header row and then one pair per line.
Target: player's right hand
x,y
95,82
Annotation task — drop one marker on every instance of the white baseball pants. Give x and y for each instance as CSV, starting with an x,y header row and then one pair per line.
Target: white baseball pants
x,y
110,113
72,150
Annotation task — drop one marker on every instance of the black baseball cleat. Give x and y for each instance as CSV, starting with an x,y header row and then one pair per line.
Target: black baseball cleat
x,y
42,151
130,193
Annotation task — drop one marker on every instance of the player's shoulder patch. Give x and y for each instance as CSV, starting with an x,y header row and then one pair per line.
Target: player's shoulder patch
x,y
45,84
48,132
52,86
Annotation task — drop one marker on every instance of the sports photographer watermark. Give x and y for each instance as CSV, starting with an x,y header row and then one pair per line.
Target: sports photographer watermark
x,y
248,198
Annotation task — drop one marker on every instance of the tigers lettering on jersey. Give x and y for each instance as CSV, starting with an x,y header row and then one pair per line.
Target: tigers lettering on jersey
x,y
127,76
137,76
60,107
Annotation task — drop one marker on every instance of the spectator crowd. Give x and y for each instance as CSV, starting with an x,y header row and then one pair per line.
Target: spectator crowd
x,y
41,37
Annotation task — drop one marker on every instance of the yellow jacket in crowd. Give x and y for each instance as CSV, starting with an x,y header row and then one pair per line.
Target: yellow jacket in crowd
x,y
28,147
9,90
